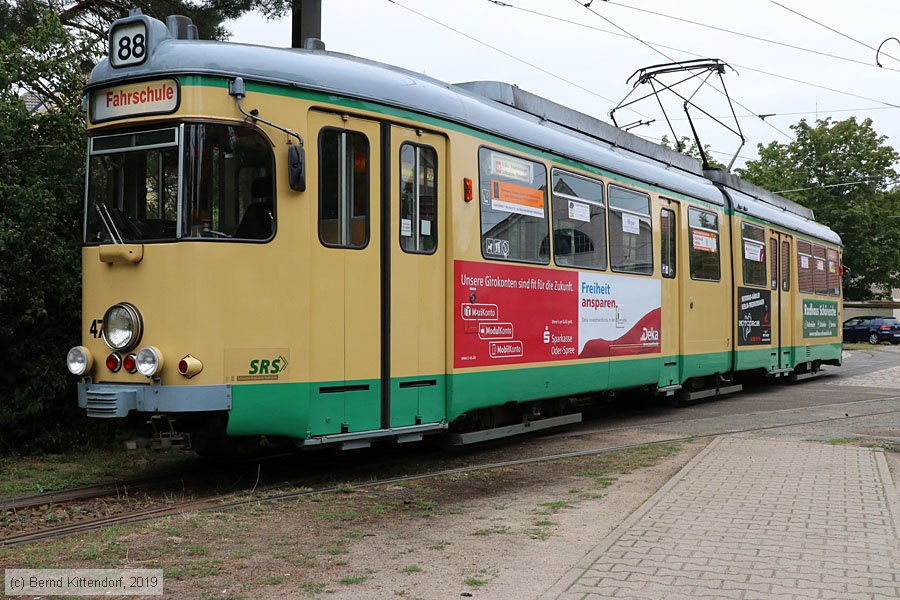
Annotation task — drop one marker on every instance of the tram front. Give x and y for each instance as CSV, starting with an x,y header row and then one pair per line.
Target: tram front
x,y
182,270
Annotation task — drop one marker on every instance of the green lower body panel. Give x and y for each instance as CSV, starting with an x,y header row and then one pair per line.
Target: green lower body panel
x,y
303,410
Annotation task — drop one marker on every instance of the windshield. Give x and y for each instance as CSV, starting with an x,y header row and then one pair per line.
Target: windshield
x,y
194,181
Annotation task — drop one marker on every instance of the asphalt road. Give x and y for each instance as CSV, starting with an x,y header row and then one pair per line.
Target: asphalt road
x,y
868,374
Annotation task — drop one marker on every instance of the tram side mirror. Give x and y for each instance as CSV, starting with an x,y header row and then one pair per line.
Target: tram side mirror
x,y
297,167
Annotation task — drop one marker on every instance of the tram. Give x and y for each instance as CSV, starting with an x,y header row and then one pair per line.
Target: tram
x,y
318,249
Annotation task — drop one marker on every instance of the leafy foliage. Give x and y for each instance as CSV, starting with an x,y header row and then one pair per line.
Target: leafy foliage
x,y
47,48
842,170
687,146
41,183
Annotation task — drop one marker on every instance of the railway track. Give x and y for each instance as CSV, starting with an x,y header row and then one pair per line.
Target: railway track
x,y
262,495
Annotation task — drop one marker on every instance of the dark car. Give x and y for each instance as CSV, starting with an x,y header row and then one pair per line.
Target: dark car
x,y
872,330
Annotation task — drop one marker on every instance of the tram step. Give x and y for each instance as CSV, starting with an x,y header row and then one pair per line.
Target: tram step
x,y
701,394
461,439
802,376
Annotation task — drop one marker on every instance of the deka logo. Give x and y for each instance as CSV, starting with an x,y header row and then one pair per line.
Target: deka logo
x,y
650,335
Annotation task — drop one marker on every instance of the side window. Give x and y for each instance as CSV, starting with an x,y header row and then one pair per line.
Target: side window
x,y
834,276
754,254
513,207
343,189
820,272
418,199
630,231
703,227
805,266
773,262
667,239
579,221
785,266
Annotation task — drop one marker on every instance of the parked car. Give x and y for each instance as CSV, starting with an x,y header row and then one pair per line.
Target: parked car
x,y
872,329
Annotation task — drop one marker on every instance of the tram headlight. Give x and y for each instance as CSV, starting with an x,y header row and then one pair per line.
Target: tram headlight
x,y
79,360
149,361
122,327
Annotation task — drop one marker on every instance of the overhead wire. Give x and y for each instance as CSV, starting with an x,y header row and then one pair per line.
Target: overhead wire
x,y
752,113
829,28
512,56
749,36
688,52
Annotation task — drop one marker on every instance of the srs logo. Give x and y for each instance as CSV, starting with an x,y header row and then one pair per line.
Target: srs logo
x,y
265,366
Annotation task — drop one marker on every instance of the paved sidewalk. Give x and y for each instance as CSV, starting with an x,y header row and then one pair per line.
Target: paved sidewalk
x,y
755,518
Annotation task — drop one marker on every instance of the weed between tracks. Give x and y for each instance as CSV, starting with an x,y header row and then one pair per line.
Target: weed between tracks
x,y
37,474
380,538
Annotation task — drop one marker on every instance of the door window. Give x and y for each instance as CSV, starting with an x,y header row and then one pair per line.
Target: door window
x,y
418,199
343,189
667,238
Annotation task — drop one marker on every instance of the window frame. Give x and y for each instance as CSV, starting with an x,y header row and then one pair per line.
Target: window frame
x,y
668,270
546,218
785,266
810,266
691,248
764,283
648,217
347,201
603,206
418,147
183,199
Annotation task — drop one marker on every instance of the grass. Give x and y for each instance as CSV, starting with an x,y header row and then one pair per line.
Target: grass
x,y
353,579
412,569
540,533
626,461
495,530
37,474
311,588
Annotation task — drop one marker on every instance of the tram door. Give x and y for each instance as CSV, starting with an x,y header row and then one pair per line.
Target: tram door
x,y
780,245
344,168
672,334
418,245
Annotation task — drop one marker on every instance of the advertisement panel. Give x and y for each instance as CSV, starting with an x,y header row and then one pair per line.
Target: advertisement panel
x,y
753,317
510,314
820,318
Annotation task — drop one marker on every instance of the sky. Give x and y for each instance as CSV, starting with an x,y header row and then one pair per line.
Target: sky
x,y
788,59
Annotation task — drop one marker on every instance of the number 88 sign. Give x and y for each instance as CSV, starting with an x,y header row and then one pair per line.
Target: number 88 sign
x,y
128,45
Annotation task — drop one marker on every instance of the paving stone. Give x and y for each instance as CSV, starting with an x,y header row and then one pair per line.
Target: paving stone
x,y
754,517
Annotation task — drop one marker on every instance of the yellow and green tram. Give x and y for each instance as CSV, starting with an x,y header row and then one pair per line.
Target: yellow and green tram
x,y
320,249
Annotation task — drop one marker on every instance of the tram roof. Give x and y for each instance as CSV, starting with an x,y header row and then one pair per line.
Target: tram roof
x,y
492,107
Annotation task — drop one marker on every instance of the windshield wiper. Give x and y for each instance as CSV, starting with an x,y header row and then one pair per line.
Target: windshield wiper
x,y
108,223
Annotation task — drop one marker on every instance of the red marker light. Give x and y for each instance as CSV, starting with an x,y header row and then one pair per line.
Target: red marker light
x,y
467,189
130,364
182,366
114,362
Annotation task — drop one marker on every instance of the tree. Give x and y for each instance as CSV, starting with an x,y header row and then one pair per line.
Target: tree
x,y
689,147
47,48
843,170
41,185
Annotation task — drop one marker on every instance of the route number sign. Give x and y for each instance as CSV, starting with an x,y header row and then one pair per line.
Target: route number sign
x,y
128,44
